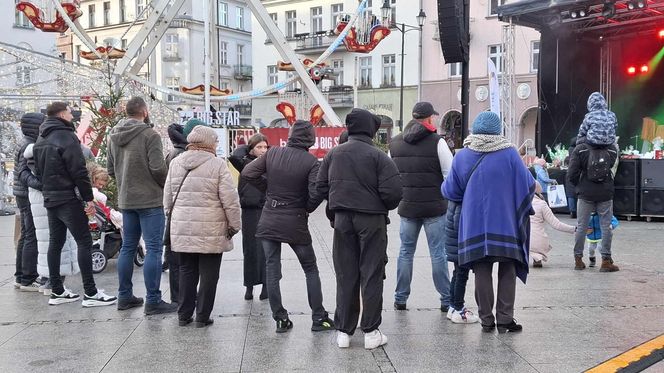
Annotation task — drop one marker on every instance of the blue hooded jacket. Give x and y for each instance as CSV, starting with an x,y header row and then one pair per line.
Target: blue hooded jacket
x,y
599,124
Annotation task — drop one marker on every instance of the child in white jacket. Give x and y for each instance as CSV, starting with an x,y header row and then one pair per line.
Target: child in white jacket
x,y
540,245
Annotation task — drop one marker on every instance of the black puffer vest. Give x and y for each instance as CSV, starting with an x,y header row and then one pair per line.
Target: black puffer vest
x,y
415,153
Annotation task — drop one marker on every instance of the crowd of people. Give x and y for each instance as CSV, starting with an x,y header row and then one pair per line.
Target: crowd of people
x,y
186,208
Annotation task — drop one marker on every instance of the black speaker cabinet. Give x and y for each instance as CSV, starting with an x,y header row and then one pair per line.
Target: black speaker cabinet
x,y
453,39
626,202
628,175
652,202
652,173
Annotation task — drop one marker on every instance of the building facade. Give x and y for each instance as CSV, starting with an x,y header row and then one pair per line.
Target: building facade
x,y
441,83
370,80
19,78
178,60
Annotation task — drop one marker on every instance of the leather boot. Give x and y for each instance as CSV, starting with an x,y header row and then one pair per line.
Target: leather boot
x,y
607,265
578,262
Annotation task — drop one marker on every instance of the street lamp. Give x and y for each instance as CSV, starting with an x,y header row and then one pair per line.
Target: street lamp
x,y
385,10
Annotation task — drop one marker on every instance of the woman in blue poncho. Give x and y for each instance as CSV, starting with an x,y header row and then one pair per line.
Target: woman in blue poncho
x,y
496,191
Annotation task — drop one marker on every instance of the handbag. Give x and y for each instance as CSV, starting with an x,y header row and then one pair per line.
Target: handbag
x,y
167,231
556,196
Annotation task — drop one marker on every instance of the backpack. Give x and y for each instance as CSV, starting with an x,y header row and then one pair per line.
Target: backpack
x,y
598,168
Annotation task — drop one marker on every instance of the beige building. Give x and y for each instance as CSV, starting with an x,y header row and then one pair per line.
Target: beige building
x,y
441,83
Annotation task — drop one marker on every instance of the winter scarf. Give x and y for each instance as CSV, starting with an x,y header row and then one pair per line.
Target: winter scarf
x,y
487,143
599,124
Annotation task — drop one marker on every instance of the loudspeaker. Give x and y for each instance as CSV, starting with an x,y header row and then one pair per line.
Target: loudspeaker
x,y
652,173
453,39
626,202
628,174
652,202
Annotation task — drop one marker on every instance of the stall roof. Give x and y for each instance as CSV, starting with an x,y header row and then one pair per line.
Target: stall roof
x,y
599,19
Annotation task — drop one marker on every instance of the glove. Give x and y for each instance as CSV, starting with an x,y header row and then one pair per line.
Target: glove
x,y
231,232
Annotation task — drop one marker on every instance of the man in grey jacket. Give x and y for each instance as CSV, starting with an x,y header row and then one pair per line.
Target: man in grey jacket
x,y
136,160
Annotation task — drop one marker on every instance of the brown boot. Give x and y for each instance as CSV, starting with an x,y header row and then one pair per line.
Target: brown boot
x,y
608,266
578,262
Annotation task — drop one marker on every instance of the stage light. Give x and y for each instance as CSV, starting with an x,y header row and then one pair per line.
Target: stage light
x,y
644,69
574,14
631,70
661,34
609,10
637,4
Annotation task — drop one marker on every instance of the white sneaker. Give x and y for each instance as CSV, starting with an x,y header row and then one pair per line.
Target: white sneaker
x,y
374,339
450,311
34,287
99,299
464,317
343,340
66,297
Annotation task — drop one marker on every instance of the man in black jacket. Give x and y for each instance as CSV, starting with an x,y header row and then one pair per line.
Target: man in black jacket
x,y
362,185
26,250
593,196
423,159
290,176
60,166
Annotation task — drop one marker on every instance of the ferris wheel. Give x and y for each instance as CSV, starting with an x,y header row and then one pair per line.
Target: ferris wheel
x,y
359,32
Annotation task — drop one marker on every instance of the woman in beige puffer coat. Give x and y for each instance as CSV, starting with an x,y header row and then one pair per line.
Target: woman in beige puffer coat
x,y
204,217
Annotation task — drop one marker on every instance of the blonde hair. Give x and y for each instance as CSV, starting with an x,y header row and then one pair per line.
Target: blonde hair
x,y
97,172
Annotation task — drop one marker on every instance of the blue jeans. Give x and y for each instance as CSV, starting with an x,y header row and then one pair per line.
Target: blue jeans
x,y
571,204
434,228
150,223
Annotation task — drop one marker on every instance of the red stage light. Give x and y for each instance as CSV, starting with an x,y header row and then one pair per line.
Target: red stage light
x,y
631,70
644,69
661,34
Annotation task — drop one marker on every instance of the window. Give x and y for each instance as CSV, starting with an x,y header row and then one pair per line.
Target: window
x,y
22,75
223,53
20,20
91,15
222,14
337,10
338,66
316,19
455,69
393,11
240,54
274,18
365,71
123,11
494,6
272,75
291,23
239,13
123,44
224,85
107,13
171,50
295,85
173,83
140,7
534,55
389,70
77,53
496,55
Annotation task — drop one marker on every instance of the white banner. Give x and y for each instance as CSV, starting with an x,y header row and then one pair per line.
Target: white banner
x,y
494,87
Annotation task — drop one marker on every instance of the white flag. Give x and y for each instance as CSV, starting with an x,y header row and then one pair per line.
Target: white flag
x,y
494,87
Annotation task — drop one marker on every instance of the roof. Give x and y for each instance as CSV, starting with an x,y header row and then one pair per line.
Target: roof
x,y
557,14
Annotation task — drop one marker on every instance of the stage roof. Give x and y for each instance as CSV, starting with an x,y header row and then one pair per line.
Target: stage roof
x,y
600,20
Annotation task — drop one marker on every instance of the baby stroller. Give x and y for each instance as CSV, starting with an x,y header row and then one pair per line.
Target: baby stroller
x,y
107,240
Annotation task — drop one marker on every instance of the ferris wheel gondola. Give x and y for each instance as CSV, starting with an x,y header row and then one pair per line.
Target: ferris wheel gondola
x,y
44,17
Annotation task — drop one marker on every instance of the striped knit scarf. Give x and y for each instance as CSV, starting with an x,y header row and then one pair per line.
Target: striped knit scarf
x,y
487,143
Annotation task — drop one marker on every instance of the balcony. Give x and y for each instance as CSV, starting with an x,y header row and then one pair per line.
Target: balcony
x,y
242,72
314,43
244,108
340,96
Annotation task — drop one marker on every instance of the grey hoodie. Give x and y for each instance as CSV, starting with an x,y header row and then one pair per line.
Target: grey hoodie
x,y
136,161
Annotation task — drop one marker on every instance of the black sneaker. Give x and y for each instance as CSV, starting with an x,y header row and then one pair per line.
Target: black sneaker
x,y
322,325
185,322
66,297
263,295
488,328
284,325
512,327
400,306
444,308
203,324
133,302
159,308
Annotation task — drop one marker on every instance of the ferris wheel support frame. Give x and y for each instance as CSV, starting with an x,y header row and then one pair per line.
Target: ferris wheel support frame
x,y
288,54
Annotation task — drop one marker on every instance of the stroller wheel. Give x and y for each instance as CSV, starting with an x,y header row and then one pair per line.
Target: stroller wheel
x,y
139,259
99,261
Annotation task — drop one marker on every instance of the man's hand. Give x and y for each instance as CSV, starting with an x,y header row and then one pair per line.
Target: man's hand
x,y
90,208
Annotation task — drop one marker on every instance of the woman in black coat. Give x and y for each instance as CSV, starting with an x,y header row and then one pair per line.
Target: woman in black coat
x,y
252,201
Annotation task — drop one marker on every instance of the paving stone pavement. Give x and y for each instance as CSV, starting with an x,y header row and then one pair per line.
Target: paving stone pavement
x,y
572,320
